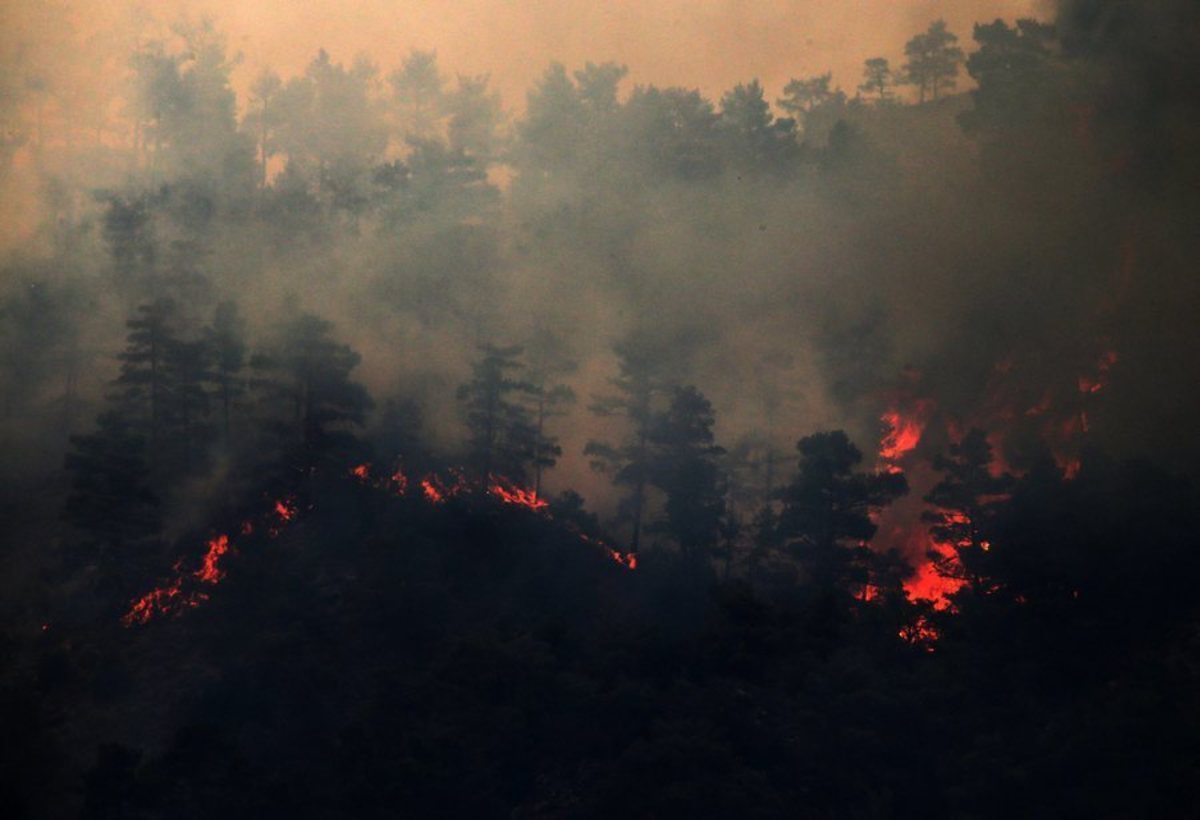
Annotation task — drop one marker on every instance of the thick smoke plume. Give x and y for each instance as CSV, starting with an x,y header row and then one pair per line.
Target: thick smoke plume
x,y
981,256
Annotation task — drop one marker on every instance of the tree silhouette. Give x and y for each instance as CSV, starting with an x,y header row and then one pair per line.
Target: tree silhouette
x,y
877,79
264,118
933,61
308,401
144,387
1015,70
597,86
417,91
754,138
110,497
965,503
227,346
805,95
332,128
685,466
128,228
474,118
504,436
189,371
628,464
672,132
827,509
553,129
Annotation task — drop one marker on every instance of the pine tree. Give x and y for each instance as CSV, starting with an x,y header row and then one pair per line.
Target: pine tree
x,y
804,95
549,399
754,137
310,404
503,433
826,517
965,502
226,343
933,61
627,463
144,388
685,466
110,496
878,79
188,372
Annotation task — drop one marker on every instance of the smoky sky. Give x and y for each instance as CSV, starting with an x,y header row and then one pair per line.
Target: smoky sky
x,y
920,256
710,44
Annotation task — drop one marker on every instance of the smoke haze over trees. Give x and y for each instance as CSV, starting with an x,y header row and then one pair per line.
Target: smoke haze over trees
x,y
883,369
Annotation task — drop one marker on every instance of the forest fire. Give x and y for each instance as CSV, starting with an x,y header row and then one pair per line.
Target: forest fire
x,y
210,571
171,598
285,510
1058,416
903,430
181,591
902,525
509,493
432,494
927,584
346,386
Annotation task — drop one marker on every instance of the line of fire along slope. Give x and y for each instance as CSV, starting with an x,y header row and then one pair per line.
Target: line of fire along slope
x,y
904,430
187,589
436,489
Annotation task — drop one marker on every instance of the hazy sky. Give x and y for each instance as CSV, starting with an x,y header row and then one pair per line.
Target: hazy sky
x,y
712,44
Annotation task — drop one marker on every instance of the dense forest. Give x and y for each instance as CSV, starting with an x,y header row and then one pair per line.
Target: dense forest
x,y
374,448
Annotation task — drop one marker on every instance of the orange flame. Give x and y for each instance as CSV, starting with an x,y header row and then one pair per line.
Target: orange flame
x,y
929,585
155,602
903,432
903,435
210,572
178,593
399,482
285,509
920,633
432,494
511,494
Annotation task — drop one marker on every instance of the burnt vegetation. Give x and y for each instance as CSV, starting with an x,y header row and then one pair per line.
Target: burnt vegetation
x,y
373,451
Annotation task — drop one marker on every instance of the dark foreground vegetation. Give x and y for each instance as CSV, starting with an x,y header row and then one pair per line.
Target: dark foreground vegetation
x,y
384,654
883,406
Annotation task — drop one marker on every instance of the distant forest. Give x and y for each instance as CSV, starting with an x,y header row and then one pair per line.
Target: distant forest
x,y
374,451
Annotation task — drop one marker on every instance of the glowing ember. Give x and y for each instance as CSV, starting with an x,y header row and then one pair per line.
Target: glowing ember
x,y
432,494
629,561
160,601
1068,464
180,592
1096,383
210,572
511,494
285,509
399,482
920,633
1041,408
284,512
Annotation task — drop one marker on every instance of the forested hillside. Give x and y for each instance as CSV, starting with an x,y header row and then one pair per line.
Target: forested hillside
x,y
374,446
